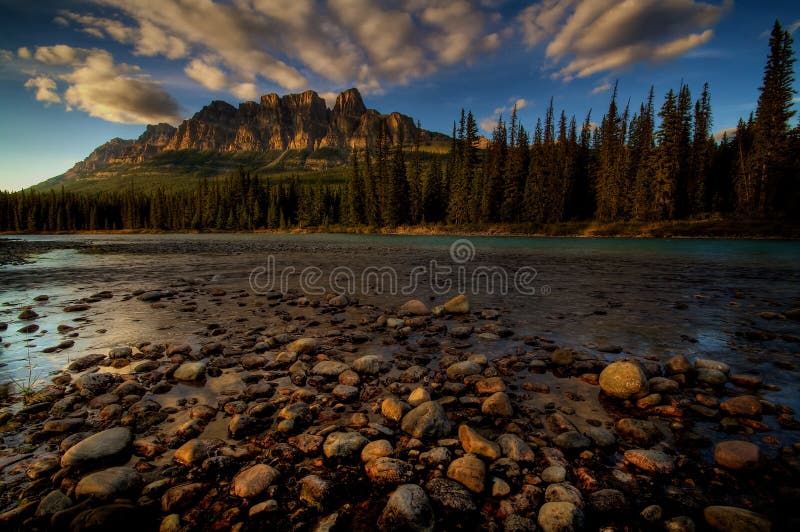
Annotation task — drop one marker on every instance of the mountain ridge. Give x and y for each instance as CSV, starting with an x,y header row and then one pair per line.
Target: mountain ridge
x,y
274,125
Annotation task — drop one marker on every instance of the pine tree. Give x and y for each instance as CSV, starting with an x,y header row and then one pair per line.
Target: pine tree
x,y
773,113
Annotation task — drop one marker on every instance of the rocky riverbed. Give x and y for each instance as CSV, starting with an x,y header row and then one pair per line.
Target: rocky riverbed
x,y
295,413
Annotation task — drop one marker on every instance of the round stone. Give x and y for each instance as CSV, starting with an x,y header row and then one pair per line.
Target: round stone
x,y
624,380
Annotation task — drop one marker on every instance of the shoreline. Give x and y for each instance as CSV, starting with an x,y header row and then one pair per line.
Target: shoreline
x,y
697,229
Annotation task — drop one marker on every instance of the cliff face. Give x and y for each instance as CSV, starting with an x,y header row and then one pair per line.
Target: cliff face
x,y
292,122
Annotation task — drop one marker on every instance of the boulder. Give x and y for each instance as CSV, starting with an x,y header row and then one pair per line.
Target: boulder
x,y
109,484
737,455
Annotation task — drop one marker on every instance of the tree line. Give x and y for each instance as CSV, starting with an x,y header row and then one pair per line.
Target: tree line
x,y
645,163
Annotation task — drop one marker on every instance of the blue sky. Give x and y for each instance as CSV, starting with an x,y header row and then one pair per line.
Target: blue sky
x,y
74,74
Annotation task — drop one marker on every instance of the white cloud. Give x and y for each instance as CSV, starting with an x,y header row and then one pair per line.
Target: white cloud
x,y
45,89
297,44
100,87
601,88
587,37
23,53
245,91
206,75
794,26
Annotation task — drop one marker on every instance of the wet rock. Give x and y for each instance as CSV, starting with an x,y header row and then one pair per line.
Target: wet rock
x,y
682,523
711,376
664,385
450,498
490,385
42,466
109,446
457,305
460,370
343,445
470,471
438,456
193,452
241,425
560,517
408,508
517,523
732,519
118,517
624,380
412,374
153,295
461,332
109,484
303,346
253,481
367,365
737,455
376,449
554,474
652,513
27,315
418,396
515,448
562,357
747,381
500,487
601,437
426,421
416,308
53,502
704,363
62,426
607,501
386,471
191,371
92,384
345,393
171,523
564,492
571,440
329,368
120,352
315,491
498,405
744,406
393,409
651,461
178,498
85,362
638,431
474,443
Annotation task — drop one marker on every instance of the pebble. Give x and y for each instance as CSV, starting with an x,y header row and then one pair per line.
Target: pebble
x,y
426,421
103,448
470,471
744,406
418,396
474,443
624,380
109,484
385,471
516,448
461,370
497,405
408,508
737,455
732,519
376,449
190,371
253,481
329,368
457,305
651,461
394,409
367,365
554,474
560,517
343,444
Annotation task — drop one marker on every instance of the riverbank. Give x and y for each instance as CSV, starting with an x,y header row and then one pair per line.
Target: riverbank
x,y
703,228
291,412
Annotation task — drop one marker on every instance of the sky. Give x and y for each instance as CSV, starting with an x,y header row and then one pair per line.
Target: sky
x,y
76,73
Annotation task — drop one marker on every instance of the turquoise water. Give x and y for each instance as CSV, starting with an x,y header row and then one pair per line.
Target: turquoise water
x,y
651,297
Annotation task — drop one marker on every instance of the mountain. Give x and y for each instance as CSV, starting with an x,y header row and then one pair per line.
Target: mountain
x,y
295,131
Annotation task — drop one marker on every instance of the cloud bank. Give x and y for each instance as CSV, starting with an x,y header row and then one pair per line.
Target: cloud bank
x,y
586,37
95,84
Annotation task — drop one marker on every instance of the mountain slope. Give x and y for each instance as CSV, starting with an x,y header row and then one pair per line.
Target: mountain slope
x,y
294,133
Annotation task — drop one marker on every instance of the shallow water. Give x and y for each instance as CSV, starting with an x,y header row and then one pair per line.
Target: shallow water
x,y
650,297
